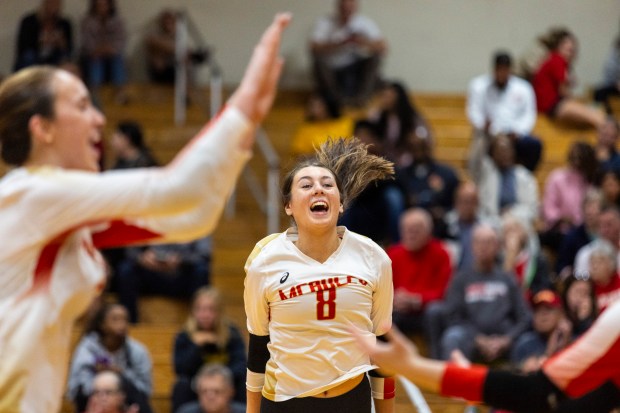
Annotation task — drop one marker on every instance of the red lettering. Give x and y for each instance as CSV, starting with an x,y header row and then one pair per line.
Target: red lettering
x,y
331,283
315,286
282,296
337,282
292,293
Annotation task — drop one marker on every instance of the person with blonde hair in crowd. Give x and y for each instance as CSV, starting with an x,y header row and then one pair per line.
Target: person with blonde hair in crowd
x,y
208,337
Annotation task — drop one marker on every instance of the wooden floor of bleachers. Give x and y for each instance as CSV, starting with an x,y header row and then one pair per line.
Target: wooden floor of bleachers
x,y
236,235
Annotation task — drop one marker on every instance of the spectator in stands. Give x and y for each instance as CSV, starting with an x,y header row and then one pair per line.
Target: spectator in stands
x,y
129,151
550,332
610,86
397,118
610,187
608,230
522,257
485,308
531,60
579,301
44,37
208,337
553,81
108,395
457,225
106,345
502,103
173,270
604,273
606,142
503,186
214,385
376,211
161,53
104,38
421,270
580,235
346,49
323,119
129,148
565,189
161,48
428,184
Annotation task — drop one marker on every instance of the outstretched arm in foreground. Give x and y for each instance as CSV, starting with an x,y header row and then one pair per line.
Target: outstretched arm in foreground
x,y
500,389
399,356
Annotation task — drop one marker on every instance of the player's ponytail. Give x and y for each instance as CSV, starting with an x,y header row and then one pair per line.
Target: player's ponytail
x,y
353,166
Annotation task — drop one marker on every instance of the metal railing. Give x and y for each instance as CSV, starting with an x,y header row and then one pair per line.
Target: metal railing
x,y
268,197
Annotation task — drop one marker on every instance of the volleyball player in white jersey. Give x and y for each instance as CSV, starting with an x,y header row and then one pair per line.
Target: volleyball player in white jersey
x,y
304,286
55,209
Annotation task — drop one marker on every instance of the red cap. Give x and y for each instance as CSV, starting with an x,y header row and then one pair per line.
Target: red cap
x,y
547,297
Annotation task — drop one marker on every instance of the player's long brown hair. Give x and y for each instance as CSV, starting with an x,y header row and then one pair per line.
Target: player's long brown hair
x,y
353,167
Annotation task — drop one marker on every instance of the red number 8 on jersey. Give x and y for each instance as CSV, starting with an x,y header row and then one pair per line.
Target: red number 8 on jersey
x,y
326,308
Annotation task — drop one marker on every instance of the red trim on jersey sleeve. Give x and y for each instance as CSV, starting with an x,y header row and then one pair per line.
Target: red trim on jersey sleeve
x,y
603,369
464,382
120,233
45,263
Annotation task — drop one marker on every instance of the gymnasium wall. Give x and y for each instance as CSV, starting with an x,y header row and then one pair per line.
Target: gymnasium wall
x,y
434,45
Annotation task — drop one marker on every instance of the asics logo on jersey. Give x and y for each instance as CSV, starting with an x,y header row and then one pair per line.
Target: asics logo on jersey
x,y
284,278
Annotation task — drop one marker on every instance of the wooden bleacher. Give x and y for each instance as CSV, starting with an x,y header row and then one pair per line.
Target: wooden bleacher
x,y
236,236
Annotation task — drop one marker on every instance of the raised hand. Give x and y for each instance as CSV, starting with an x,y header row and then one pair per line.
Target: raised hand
x,y
257,90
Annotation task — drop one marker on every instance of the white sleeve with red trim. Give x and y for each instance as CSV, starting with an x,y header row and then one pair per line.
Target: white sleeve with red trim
x,y
592,360
383,296
179,202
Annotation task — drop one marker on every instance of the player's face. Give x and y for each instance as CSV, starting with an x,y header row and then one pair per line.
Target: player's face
x,y
315,198
77,125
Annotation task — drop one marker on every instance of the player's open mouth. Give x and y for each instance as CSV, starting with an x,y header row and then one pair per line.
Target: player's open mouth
x,y
319,206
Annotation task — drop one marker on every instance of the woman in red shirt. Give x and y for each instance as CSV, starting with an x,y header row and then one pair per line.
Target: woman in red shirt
x,y
552,83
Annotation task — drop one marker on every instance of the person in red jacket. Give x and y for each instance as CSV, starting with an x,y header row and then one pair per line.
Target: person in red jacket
x,y
421,271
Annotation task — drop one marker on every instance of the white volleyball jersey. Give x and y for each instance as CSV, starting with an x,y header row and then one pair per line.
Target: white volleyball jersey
x,y
51,222
306,307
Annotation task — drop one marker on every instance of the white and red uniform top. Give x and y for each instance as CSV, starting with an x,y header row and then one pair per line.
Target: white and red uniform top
x,y
592,360
305,308
51,222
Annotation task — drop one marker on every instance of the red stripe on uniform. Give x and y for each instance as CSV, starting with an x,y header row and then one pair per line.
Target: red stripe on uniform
x,y
605,368
45,263
120,233
464,382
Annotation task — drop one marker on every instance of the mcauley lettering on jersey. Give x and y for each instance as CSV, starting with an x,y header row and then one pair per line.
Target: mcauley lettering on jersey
x,y
320,285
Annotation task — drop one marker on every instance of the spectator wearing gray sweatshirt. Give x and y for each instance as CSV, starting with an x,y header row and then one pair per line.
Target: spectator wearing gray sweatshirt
x,y
485,308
